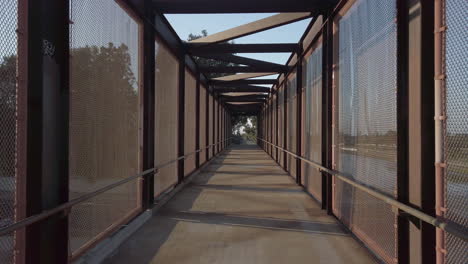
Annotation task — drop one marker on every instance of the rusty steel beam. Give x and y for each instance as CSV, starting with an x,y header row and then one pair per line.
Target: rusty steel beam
x,y
239,60
242,89
201,48
47,143
243,69
181,119
240,6
242,76
242,82
149,99
254,27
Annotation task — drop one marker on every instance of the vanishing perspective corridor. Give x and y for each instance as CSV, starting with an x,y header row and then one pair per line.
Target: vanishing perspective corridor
x,y
242,208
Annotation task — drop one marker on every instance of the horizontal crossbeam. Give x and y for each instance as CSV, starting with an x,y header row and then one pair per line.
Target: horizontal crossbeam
x,y
201,48
240,6
242,82
253,27
239,60
243,69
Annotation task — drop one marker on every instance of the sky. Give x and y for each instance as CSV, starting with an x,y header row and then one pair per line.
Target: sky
x,y
194,23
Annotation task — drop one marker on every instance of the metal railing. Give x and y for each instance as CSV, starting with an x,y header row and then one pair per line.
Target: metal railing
x,y
66,207
449,227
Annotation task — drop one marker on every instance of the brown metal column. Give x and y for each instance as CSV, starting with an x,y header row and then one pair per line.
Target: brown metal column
x,y
277,125
197,121
181,118
148,107
299,115
285,124
213,148
47,172
421,128
218,127
327,114
207,124
402,128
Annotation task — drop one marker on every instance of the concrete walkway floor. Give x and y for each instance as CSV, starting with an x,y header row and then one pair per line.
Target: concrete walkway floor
x,y
243,208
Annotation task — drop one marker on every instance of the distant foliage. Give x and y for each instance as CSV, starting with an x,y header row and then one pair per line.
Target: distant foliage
x,y
209,62
7,115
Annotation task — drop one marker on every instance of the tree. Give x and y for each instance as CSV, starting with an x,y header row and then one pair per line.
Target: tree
x,y
209,62
7,115
104,112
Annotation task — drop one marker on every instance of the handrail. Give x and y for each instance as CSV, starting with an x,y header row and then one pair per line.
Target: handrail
x,y
68,205
450,227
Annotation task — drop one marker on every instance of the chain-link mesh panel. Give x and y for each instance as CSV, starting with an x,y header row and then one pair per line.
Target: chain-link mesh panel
x,y
456,128
104,119
189,135
313,121
166,114
365,121
291,126
8,117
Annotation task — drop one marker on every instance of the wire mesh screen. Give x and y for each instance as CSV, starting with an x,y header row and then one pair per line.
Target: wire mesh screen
x,y
189,135
166,109
291,126
281,124
365,121
456,128
313,121
202,124
8,118
104,119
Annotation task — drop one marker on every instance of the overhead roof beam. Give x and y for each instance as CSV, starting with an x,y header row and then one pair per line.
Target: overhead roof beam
x,y
242,76
239,60
254,27
247,100
242,82
242,89
240,6
244,69
200,49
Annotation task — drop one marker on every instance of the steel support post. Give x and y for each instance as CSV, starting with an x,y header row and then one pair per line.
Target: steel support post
x,y
48,112
207,124
197,121
181,119
327,115
285,125
149,93
402,128
299,115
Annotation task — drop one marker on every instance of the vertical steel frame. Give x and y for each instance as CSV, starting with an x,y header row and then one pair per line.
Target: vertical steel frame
x,y
213,148
402,240
181,118
197,121
277,125
21,140
285,122
47,129
327,113
149,99
439,123
299,75
207,124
